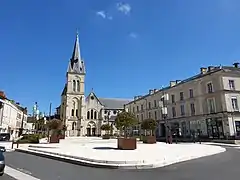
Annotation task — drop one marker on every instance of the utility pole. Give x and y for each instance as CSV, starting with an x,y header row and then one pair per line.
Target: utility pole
x,y
50,111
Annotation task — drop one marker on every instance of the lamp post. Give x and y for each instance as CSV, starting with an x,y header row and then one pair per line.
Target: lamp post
x,y
164,110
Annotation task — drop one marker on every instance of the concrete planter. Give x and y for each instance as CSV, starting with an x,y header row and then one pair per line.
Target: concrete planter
x,y
61,136
149,139
127,143
106,136
54,139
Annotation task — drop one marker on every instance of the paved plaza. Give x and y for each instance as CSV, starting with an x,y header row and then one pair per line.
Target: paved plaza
x,y
96,151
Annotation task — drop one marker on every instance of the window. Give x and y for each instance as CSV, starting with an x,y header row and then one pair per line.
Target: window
x,y
181,96
149,105
72,112
78,85
74,85
137,109
88,115
211,106
95,114
141,107
73,125
173,112
155,103
105,112
91,114
173,98
76,112
114,112
209,88
155,115
190,93
234,103
142,117
231,84
192,107
137,117
149,115
182,110
133,109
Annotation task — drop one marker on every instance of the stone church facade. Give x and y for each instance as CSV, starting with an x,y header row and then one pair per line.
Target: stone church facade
x,y
84,115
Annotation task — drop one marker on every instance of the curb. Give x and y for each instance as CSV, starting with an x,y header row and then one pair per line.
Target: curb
x,y
87,159
68,160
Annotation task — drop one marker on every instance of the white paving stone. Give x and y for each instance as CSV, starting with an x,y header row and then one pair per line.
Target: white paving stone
x,y
96,150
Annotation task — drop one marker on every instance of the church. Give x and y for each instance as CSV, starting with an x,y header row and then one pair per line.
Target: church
x,y
84,115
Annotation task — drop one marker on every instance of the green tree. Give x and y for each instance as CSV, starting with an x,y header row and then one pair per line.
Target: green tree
x,y
149,124
124,120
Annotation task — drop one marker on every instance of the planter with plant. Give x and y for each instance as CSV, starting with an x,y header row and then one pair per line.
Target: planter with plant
x,y
149,125
54,127
123,121
106,128
62,133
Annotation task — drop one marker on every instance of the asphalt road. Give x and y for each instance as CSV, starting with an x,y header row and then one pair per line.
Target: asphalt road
x,y
220,167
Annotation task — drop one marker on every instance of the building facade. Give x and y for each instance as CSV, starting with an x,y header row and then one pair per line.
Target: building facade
x,y
13,117
207,103
83,115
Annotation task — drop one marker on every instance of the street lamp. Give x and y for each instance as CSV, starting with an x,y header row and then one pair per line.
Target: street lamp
x,y
162,104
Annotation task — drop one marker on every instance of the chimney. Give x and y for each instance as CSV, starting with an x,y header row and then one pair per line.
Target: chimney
x,y
155,90
236,64
2,95
172,83
150,91
178,81
203,70
210,68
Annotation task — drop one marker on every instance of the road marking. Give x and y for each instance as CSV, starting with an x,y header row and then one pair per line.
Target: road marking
x,y
18,174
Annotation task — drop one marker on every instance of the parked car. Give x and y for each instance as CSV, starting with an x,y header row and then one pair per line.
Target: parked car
x,y
2,160
5,136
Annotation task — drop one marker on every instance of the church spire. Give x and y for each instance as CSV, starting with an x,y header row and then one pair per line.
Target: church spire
x,y
76,63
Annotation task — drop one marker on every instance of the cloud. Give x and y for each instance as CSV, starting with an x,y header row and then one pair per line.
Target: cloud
x,y
133,35
104,15
101,14
124,8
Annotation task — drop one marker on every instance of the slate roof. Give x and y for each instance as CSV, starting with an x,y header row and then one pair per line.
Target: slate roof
x,y
114,103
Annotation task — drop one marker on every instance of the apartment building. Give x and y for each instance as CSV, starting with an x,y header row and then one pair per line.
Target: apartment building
x,y
207,103
13,117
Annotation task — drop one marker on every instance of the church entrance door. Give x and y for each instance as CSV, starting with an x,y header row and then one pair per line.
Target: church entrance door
x,y
93,131
88,131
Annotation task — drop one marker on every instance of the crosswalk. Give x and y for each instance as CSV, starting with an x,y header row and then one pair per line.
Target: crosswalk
x,y
18,175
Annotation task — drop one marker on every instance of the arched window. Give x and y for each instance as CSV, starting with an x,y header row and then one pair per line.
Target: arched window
x,y
73,125
74,85
95,114
78,86
72,112
91,114
88,115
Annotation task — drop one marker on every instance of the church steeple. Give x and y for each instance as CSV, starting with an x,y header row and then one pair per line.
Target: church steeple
x,y
76,64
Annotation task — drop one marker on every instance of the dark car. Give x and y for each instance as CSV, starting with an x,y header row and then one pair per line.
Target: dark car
x,y
4,136
2,160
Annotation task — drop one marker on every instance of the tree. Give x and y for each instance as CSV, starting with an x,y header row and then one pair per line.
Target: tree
x,y
125,120
149,124
106,127
55,125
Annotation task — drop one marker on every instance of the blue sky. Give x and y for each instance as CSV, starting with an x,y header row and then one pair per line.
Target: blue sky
x,y
128,46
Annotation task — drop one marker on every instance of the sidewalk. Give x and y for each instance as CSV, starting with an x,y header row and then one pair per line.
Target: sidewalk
x,y
98,152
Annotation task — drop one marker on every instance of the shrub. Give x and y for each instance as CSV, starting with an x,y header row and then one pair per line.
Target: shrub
x,y
106,127
30,138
